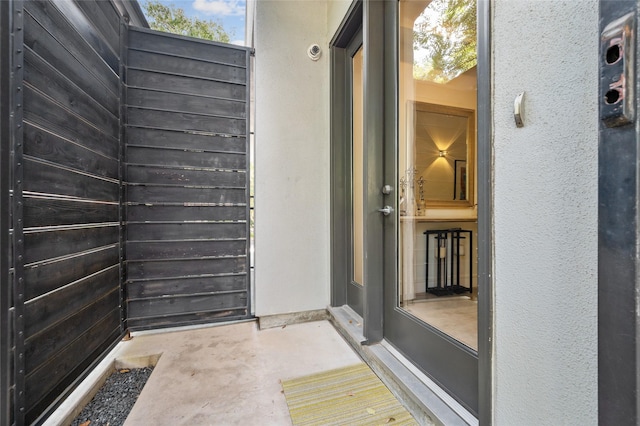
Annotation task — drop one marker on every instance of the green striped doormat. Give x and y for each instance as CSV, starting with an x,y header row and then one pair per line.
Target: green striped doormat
x,y
347,396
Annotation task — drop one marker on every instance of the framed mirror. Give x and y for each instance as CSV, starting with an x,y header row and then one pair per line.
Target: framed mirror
x,y
444,154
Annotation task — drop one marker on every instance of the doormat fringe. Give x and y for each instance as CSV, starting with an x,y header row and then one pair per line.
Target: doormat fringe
x,y
351,395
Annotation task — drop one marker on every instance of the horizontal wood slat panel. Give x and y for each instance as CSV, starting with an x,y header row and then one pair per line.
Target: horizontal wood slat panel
x,y
101,62
46,114
175,158
185,103
140,213
44,345
43,144
186,304
43,278
186,158
52,307
159,194
94,39
71,193
50,244
185,268
169,120
180,176
185,286
185,140
48,179
191,48
43,24
186,85
184,249
41,42
62,369
51,212
186,67
105,19
52,83
185,231
147,323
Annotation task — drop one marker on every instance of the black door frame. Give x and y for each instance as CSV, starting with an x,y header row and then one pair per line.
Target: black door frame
x,y
341,156
5,200
380,43
360,15
485,213
618,232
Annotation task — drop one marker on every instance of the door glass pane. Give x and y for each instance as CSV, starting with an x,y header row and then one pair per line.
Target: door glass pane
x,y
357,169
436,165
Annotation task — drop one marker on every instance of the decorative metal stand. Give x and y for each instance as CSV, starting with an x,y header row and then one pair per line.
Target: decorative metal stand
x,y
448,242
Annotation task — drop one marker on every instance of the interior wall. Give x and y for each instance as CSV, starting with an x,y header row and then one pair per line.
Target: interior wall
x,y
459,93
292,158
545,212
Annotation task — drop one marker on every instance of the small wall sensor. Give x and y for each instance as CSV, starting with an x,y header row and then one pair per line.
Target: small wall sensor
x,y
314,52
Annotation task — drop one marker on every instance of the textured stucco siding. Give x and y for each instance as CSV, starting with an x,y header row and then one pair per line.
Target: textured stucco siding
x,y
545,212
544,192
292,158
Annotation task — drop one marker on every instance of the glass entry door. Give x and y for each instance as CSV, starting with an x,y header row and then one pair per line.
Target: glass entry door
x,y
404,211
356,282
348,166
355,172
431,306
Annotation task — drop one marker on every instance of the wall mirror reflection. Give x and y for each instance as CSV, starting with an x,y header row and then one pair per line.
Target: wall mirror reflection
x,y
444,151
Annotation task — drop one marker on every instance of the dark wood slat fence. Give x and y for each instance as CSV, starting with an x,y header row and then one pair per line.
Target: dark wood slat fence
x,y
71,232
186,170
129,201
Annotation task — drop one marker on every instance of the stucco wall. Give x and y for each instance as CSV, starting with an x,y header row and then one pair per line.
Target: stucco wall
x,y
336,11
545,192
292,158
545,212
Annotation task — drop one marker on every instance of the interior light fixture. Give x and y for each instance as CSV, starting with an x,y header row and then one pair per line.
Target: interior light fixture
x,y
443,153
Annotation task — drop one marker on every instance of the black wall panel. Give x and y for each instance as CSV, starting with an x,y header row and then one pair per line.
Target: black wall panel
x,y
70,259
187,181
126,152
6,277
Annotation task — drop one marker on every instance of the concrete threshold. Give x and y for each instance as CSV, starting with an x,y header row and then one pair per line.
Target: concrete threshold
x,y
426,401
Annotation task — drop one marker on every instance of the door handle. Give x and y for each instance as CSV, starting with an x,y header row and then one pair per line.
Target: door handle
x,y
386,210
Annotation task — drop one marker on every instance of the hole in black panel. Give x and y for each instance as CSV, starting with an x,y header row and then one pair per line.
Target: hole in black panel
x,y
613,54
612,96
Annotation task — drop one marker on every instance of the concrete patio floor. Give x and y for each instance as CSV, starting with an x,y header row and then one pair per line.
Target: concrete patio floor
x,y
229,374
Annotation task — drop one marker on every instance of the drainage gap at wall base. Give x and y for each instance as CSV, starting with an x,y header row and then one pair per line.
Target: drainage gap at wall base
x,y
115,399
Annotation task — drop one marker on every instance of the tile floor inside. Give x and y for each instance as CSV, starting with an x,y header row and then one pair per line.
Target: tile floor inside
x,y
456,316
230,375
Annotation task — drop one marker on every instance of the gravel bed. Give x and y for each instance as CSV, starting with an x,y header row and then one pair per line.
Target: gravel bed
x,y
115,399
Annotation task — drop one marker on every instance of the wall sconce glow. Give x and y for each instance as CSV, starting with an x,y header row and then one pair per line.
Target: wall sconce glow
x,y
443,153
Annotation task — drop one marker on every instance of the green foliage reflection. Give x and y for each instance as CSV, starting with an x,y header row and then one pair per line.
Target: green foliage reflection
x,y
444,40
172,19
